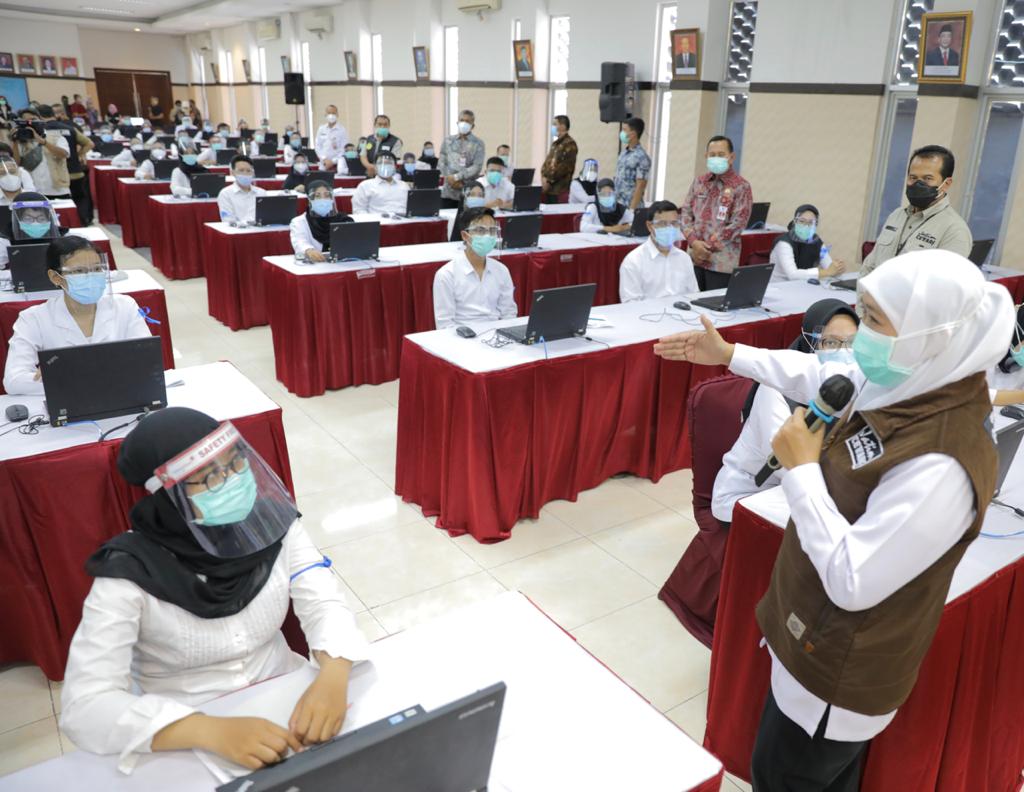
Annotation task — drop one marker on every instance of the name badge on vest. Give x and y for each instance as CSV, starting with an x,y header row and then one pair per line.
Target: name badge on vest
x,y
795,626
927,239
723,212
864,447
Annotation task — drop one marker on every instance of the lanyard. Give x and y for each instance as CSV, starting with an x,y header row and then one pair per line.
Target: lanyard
x,y
903,242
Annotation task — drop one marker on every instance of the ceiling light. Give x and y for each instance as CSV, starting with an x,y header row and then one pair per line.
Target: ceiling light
x,y
137,30
115,11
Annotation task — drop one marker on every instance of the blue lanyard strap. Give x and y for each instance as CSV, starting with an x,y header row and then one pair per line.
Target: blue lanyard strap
x,y
326,563
144,313
814,408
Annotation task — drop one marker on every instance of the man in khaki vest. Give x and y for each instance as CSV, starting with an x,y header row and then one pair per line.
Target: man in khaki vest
x,y
858,587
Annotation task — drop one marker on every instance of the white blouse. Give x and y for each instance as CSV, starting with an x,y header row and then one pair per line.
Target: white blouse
x,y
785,264
138,664
590,221
301,237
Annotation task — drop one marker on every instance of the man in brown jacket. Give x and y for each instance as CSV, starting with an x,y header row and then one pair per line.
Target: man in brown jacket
x,y
560,165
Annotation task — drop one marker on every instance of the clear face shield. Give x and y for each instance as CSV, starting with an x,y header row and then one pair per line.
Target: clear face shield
x,y
34,221
231,500
589,172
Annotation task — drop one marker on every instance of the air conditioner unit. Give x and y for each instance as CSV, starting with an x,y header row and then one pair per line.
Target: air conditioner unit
x,y
319,21
478,6
203,42
268,30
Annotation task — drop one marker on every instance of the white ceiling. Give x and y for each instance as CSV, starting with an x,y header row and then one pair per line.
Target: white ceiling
x,y
157,16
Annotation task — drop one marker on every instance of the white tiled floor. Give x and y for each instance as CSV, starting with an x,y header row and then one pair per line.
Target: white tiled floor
x,y
595,566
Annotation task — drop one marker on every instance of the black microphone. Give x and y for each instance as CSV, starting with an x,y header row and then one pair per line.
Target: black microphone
x,y
832,398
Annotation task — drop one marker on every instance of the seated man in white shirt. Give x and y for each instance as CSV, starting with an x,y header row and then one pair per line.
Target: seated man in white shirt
x,y
658,268
156,152
82,313
13,179
237,202
188,166
472,287
385,193
208,156
606,213
499,190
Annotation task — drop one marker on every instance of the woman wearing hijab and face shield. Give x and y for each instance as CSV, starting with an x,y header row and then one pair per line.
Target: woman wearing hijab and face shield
x,y
881,513
188,605
1007,378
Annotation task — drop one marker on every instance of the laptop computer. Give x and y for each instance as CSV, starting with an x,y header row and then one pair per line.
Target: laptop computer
x,y
526,199
129,131
638,228
423,203
276,210
162,169
426,179
746,288
268,149
110,149
1007,442
355,241
264,168
310,155
522,177
850,284
94,381
225,155
980,250
318,175
233,142
556,313
521,232
29,272
270,137
759,214
167,140
449,749
245,134
140,155
355,167
207,185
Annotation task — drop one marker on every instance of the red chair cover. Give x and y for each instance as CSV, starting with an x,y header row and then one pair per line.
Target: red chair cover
x,y
865,249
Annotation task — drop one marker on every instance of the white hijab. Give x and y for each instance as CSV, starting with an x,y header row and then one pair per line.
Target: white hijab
x,y
950,323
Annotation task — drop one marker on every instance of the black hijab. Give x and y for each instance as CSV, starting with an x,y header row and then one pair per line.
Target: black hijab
x,y
807,254
1008,364
191,170
160,554
294,179
816,317
320,227
609,217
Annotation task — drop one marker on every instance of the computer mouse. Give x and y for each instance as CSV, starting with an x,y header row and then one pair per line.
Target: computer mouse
x,y
682,305
465,332
814,281
16,412
1011,411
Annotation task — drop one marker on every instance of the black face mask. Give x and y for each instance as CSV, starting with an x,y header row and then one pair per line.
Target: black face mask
x,y
921,195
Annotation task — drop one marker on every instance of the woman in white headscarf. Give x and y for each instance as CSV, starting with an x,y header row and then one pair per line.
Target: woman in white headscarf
x,y
880,516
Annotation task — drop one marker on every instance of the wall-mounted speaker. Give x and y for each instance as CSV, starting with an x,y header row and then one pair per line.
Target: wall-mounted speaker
x,y
294,88
618,92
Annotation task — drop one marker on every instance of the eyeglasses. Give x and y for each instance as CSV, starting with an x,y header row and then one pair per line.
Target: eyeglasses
x,y
801,221
85,270
666,224
216,478
482,230
828,343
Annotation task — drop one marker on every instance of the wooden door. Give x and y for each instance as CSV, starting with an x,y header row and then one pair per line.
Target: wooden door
x,y
156,84
116,87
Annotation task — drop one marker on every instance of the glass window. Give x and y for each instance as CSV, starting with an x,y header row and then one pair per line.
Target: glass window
x,y
377,48
894,182
451,76
906,58
307,71
1008,57
264,95
995,170
735,118
666,24
741,41
560,29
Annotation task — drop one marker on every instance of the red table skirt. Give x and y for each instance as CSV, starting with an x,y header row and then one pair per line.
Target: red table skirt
x,y
69,218
133,210
481,451
961,729
55,511
103,184
153,299
177,237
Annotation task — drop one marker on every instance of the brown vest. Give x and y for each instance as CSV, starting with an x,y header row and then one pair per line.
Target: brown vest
x,y
867,661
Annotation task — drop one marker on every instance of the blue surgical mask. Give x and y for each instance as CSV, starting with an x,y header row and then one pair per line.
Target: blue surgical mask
x,y
301,167
296,144
106,137
36,230
494,178
718,165
87,288
473,201
351,155
623,137
1018,356
805,233
189,159
428,152
322,206
216,146
482,245
505,159
873,353
207,128
243,179
231,503
844,356
554,131
666,237
607,201
410,168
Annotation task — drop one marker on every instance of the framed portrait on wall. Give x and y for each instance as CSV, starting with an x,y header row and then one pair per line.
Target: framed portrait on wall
x,y
421,64
6,63
48,65
351,65
286,63
247,70
686,54
522,51
69,67
26,64
945,39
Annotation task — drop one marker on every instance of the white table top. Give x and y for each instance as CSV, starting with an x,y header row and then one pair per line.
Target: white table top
x,y
225,228
121,281
177,200
112,167
567,724
62,203
218,389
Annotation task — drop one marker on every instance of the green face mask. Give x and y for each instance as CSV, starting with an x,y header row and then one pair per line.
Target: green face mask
x,y
383,132
229,504
873,351
482,245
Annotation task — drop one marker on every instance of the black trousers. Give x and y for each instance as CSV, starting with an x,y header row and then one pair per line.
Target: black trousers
x,y
709,279
449,203
787,760
82,197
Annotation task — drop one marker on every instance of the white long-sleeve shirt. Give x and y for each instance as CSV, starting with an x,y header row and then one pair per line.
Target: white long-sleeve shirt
x,y
646,273
577,195
503,191
460,296
179,660
238,205
301,237
180,184
123,160
590,221
379,196
207,157
331,141
735,478
50,325
785,264
918,511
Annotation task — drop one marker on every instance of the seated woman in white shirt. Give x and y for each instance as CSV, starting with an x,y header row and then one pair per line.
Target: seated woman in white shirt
x,y
82,313
658,268
188,166
800,254
606,213
126,157
311,232
14,180
499,190
157,151
472,287
292,147
584,186
383,194
155,643
296,178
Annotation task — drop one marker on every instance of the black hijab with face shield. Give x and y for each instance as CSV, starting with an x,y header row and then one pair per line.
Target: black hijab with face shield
x,y
160,554
1008,364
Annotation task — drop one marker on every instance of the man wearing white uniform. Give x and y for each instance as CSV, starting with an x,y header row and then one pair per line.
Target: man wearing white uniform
x,y
881,512
331,138
499,190
237,202
386,193
472,287
13,180
658,268
83,313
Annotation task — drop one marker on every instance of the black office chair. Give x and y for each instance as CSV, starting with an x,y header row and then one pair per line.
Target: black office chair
x,y
980,250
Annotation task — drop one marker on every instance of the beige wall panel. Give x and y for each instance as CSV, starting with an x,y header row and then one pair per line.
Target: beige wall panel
x,y
493,110
44,89
595,139
693,117
950,122
534,133
416,113
1013,246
